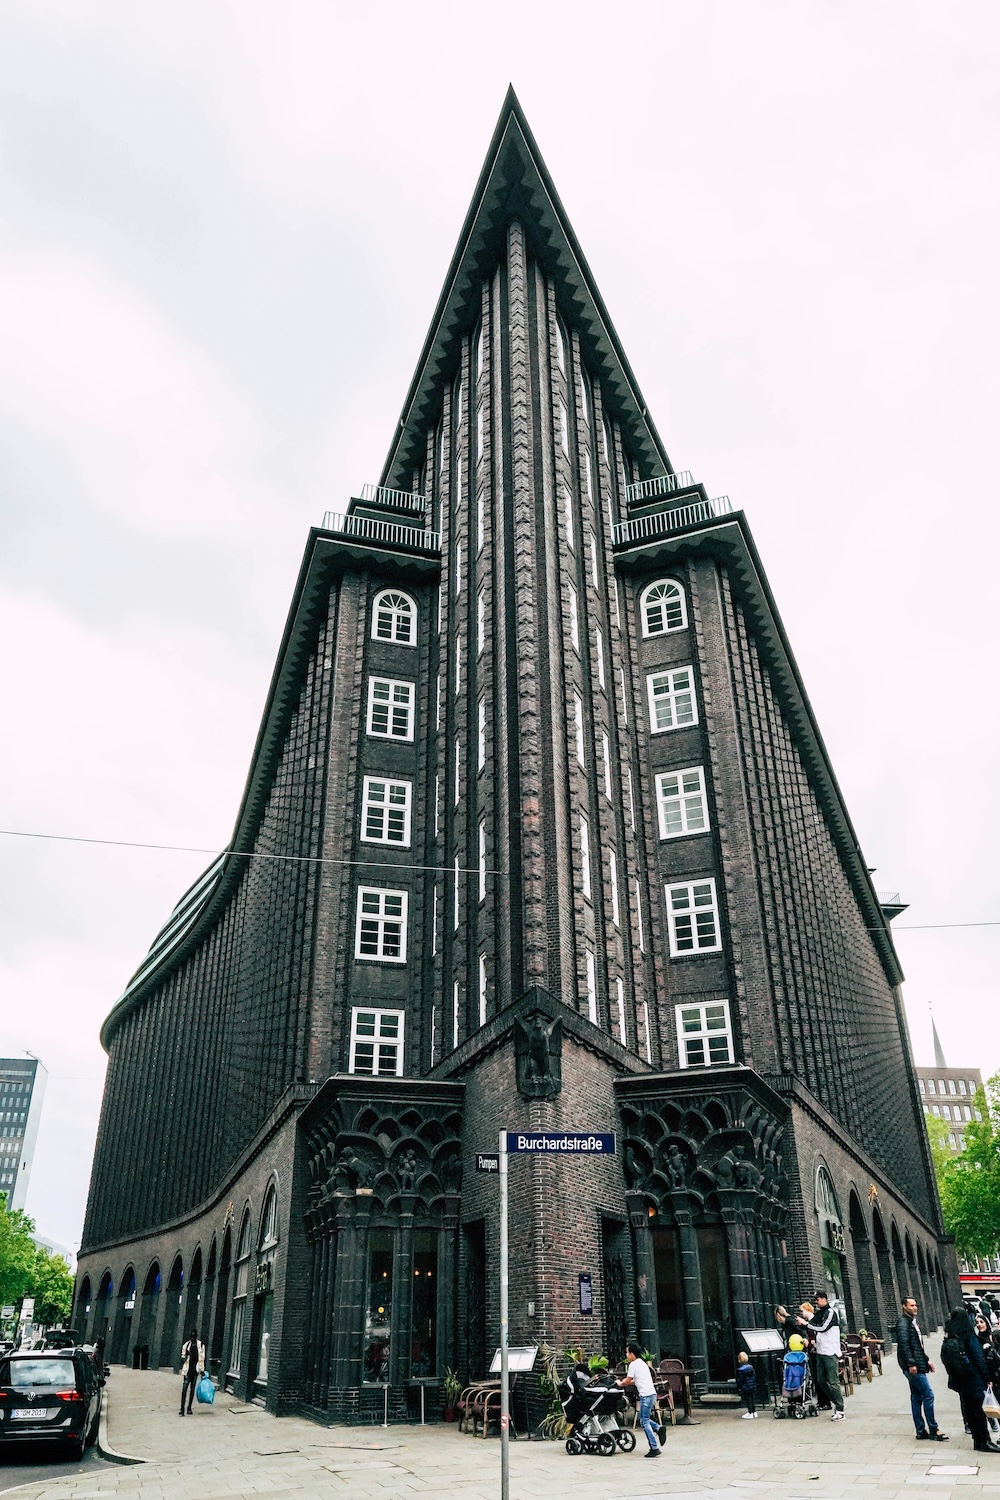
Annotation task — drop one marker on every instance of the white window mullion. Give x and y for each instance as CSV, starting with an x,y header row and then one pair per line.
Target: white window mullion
x,y
482,989
613,873
599,638
574,619
482,859
638,916
606,757
585,856
578,716
591,987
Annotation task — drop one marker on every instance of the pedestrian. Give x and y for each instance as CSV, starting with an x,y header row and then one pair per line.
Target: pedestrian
x,y
192,1367
639,1375
915,1365
824,1325
962,1356
785,1323
746,1384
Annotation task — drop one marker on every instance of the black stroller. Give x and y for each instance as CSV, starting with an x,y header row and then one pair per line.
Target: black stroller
x,y
592,1410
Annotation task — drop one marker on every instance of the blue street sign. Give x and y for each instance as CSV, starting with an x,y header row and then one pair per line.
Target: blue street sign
x,y
561,1142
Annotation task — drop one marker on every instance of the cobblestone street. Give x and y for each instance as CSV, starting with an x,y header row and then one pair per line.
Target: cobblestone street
x,y
231,1450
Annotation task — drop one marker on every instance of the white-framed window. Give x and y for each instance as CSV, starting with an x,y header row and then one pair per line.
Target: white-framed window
x,y
681,802
480,522
480,340
440,610
574,619
482,859
599,638
480,432
662,607
458,482
568,511
563,429
671,699
615,602
588,482
620,992
931,1089
584,407
560,348
694,918
458,665
616,915
591,987
390,709
437,703
951,1086
434,922
380,930
961,1085
627,778
606,443
585,856
433,1033
594,575
646,1031
458,405
606,758
377,1042
923,1090
638,917
458,771
578,717
454,1013
458,568
481,735
437,805
482,989
621,679
455,913
704,1035
385,811
394,618
481,623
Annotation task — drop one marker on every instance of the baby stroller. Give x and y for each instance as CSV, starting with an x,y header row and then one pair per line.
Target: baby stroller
x,y
798,1398
593,1411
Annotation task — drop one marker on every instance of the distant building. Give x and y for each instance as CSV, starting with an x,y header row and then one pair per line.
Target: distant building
x,y
949,1093
22,1089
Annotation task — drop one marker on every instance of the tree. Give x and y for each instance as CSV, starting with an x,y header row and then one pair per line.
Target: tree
x,y
17,1253
52,1289
969,1180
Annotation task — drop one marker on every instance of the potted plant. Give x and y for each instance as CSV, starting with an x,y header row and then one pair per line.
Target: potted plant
x,y
452,1391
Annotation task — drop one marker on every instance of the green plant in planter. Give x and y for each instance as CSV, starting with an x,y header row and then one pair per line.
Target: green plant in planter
x,y
597,1364
452,1388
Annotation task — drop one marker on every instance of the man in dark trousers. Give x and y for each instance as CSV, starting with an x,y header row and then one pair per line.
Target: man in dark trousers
x,y
915,1365
825,1325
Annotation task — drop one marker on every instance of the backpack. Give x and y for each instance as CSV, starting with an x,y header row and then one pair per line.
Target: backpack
x,y
955,1360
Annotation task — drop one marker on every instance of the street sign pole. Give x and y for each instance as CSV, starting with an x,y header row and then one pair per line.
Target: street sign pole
x,y
504,1357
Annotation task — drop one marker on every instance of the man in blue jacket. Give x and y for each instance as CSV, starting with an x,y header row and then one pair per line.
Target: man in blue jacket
x,y
915,1365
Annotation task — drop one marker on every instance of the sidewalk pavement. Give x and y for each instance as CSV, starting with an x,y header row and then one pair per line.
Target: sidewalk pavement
x,y
229,1451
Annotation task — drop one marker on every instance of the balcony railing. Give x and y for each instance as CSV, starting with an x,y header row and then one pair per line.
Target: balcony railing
x,y
663,484
387,532
377,494
643,527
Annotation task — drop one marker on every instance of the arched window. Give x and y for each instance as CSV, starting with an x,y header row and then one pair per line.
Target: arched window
x,y
240,1287
394,618
269,1221
663,609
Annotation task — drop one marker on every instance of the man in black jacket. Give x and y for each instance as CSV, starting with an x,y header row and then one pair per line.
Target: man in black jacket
x,y
913,1362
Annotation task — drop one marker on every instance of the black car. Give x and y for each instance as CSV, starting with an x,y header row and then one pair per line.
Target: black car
x,y
50,1395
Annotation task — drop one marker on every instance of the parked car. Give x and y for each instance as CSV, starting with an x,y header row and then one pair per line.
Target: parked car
x,y
50,1396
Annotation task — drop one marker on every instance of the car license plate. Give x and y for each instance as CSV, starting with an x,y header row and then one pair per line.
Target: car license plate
x,y
28,1413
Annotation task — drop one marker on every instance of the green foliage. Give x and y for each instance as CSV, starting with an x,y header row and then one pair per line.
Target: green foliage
x,y
969,1180
452,1387
17,1253
52,1289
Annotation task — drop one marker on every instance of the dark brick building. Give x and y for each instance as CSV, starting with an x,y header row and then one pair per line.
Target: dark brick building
x,y
539,831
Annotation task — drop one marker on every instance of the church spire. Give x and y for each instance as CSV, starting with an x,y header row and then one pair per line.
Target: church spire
x,y
939,1061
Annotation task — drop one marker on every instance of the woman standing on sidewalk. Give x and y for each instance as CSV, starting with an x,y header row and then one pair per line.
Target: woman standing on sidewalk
x,y
962,1357
192,1367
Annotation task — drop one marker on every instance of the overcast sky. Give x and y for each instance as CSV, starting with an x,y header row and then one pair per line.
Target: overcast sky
x,y
224,229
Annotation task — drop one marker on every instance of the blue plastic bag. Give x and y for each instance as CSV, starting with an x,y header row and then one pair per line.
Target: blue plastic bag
x,y
205,1390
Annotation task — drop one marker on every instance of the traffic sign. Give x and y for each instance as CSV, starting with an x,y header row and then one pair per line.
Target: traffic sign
x,y
487,1163
562,1142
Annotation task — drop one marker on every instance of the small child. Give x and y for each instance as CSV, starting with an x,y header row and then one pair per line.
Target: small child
x,y
746,1384
794,1368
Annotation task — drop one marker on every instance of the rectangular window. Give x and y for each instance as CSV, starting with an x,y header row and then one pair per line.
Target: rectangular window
x,y
638,918
568,511
627,774
671,699
482,859
377,1042
972,1086
599,636
437,806
454,1014
585,855
645,1028
583,399
946,1111
380,930
591,987
563,429
458,665
480,522
593,561
458,568
434,927
606,757
622,1035
704,1036
437,703
923,1089
574,619
588,482
951,1086
621,678
433,1034
390,709
694,918
482,989
681,802
458,482
456,894
613,872
930,1086
961,1085
440,606
458,772
578,714
385,811
480,432
481,736
614,601
481,624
